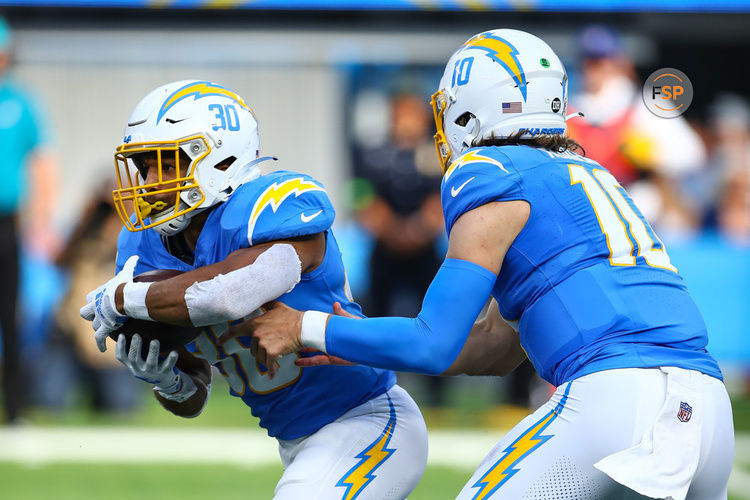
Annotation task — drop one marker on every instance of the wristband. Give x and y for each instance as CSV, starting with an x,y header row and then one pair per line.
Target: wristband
x,y
134,300
313,332
184,389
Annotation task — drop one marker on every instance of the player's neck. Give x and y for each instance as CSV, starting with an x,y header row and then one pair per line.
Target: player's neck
x,y
193,231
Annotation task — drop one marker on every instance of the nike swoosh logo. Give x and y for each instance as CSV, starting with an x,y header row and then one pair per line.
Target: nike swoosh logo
x,y
454,191
308,218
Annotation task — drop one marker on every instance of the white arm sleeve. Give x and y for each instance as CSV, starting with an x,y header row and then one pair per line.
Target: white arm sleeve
x,y
234,295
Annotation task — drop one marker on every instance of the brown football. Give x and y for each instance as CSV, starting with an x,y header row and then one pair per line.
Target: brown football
x,y
169,336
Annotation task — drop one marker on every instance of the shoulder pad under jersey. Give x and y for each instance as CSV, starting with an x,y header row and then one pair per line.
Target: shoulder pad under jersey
x,y
276,206
479,176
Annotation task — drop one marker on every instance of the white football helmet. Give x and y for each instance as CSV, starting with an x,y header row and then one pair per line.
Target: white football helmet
x,y
212,126
497,84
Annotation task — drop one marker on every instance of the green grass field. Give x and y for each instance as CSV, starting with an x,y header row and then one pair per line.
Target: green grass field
x,y
114,481
91,482
125,482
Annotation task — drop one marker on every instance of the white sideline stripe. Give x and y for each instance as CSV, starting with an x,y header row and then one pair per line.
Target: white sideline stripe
x,y
461,449
38,446
742,449
739,483
739,480
242,447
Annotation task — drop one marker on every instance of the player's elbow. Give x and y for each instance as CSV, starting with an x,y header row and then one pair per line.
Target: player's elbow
x,y
193,415
191,407
438,351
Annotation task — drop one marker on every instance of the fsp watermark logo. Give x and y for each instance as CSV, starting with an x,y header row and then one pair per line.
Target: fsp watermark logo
x,y
667,92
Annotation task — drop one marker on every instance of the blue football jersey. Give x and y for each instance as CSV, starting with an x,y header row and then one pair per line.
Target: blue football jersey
x,y
587,280
277,206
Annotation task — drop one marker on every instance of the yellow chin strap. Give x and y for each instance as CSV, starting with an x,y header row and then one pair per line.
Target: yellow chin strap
x,y
145,208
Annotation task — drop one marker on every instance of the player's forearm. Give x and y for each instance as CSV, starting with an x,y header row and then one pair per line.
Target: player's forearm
x,y
165,300
428,343
191,407
199,372
213,294
493,347
474,355
488,352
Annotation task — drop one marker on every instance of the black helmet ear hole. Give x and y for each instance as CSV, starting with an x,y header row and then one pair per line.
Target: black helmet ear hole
x,y
462,120
225,163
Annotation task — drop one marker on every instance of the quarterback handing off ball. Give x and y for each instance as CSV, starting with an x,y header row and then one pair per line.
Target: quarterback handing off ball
x,y
169,336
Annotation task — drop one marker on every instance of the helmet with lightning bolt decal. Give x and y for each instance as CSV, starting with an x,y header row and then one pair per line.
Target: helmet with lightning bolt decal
x,y
201,138
497,84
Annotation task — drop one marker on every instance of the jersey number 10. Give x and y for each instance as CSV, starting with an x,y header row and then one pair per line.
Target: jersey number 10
x,y
623,227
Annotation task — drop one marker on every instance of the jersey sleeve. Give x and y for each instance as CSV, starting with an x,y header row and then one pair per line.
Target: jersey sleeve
x,y
284,205
149,249
476,178
129,244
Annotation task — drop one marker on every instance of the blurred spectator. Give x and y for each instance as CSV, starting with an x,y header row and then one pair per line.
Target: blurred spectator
x,y
649,155
89,259
403,214
730,156
25,162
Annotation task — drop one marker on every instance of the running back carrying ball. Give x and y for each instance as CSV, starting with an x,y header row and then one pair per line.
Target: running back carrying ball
x,y
170,336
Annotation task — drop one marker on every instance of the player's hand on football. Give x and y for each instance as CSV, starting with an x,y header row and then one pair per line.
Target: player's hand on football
x,y
162,373
321,359
275,334
100,304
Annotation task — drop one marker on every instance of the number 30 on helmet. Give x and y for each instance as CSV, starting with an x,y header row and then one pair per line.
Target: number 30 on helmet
x,y
497,84
209,135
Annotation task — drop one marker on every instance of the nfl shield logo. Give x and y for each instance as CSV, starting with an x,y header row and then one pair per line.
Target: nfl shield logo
x,y
686,411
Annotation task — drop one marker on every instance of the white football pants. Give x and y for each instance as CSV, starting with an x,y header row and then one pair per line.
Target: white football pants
x,y
665,432
377,450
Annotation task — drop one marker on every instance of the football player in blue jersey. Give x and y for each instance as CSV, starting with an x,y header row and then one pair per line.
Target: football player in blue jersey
x,y
192,199
640,409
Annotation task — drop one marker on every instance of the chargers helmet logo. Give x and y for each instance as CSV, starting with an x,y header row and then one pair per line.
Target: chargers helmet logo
x,y
502,52
198,90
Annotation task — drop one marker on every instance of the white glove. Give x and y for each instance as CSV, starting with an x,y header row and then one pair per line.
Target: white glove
x,y
100,304
166,378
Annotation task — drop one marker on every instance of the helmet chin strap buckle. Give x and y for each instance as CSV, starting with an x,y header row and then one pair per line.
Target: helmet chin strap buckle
x,y
450,96
261,159
469,138
248,173
577,114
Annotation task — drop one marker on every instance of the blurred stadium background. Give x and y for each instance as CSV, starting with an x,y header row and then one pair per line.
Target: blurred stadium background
x,y
340,90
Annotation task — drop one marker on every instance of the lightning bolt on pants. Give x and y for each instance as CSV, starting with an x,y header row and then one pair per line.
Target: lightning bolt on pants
x,y
550,455
374,451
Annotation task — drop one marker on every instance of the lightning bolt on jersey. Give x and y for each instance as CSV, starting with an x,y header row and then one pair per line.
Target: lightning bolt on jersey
x,y
277,206
587,280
